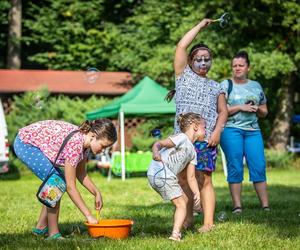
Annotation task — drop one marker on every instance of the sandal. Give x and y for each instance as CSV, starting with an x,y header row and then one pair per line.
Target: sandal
x,y
236,210
206,228
175,236
56,236
39,232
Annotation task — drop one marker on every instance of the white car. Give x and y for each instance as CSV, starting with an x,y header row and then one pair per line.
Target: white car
x,y
4,146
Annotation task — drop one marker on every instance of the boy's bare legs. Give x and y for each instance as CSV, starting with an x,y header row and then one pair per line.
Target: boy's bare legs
x,y
43,220
235,191
189,219
261,190
179,215
208,199
53,219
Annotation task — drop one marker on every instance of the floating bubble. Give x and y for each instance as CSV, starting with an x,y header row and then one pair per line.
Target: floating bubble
x,y
38,101
222,216
92,74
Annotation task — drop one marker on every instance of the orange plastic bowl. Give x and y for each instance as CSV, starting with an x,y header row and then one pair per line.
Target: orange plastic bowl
x,y
114,229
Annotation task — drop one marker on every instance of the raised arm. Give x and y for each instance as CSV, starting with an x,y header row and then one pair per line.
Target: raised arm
x,y
181,55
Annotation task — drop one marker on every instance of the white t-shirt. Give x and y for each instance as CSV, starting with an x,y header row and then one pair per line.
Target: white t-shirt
x,y
176,158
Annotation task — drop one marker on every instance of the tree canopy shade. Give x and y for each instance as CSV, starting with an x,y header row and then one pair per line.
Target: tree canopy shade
x,y
147,97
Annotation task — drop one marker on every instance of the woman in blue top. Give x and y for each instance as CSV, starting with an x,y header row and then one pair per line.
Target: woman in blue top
x,y
242,136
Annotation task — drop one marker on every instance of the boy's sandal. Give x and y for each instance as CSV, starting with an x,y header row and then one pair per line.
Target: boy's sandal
x,y
175,236
56,236
206,228
267,209
38,232
236,210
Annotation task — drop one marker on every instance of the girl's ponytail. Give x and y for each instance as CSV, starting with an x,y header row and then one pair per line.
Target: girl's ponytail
x,y
85,127
170,95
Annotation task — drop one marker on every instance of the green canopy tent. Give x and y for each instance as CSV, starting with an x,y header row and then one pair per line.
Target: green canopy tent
x,y
146,98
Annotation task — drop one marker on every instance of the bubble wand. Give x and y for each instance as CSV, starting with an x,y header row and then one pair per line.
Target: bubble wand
x,y
223,20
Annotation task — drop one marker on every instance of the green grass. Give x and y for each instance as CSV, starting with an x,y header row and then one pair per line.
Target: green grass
x,y
134,199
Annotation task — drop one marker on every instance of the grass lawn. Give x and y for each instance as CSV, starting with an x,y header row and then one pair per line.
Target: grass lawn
x,y
134,199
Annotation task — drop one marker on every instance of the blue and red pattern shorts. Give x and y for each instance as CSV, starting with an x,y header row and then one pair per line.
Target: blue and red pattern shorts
x,y
206,156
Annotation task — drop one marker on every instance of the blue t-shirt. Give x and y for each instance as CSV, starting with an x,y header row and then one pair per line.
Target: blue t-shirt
x,y
241,94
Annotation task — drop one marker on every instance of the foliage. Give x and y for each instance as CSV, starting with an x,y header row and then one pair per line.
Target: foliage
x,y
39,105
277,159
143,140
140,37
4,10
133,199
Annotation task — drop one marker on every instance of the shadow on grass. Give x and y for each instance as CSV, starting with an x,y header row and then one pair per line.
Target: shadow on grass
x,y
12,174
283,219
75,233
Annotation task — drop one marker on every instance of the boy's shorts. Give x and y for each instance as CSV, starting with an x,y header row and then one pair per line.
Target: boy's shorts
x,y
163,181
206,156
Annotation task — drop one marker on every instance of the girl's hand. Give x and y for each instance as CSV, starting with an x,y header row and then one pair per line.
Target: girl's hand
x,y
91,219
197,199
214,139
98,201
205,22
156,156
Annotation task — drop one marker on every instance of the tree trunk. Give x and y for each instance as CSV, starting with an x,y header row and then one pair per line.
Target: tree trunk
x,y
14,35
279,138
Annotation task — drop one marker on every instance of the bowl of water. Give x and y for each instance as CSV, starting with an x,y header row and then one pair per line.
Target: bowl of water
x,y
110,228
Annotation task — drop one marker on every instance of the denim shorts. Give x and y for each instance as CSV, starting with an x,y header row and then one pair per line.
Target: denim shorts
x,y
206,156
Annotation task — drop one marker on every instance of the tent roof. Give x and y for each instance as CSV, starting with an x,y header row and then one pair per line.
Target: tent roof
x,y
147,97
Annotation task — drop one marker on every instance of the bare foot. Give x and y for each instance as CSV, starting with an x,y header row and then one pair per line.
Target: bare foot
x,y
206,228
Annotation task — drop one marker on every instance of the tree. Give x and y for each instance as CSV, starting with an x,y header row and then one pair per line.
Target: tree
x,y
140,37
14,35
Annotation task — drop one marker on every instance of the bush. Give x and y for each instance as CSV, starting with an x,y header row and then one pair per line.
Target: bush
x,y
277,159
40,105
143,139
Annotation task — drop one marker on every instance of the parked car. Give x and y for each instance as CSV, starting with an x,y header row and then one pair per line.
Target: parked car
x,y
4,145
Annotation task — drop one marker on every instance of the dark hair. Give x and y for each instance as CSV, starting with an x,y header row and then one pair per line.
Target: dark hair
x,y
193,51
242,54
185,120
102,128
195,48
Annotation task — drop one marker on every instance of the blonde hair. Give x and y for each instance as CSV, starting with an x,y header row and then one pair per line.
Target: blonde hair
x,y
102,128
186,120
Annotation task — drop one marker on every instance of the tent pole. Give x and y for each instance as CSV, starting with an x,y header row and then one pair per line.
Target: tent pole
x,y
122,128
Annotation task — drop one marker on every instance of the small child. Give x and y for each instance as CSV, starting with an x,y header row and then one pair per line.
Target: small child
x,y
170,157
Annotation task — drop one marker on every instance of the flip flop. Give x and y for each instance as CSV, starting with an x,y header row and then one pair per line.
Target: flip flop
x,y
56,236
40,232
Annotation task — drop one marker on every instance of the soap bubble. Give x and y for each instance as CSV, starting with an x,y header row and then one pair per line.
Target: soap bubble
x,y
92,74
222,216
